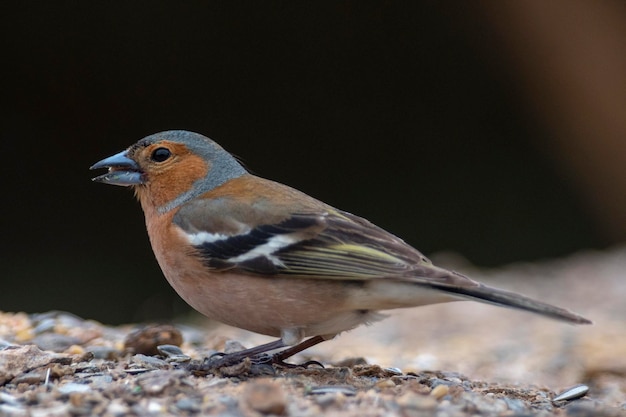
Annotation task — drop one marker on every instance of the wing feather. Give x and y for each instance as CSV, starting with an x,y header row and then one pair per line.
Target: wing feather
x,y
334,245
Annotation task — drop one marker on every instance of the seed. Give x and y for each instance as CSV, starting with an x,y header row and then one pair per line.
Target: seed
x,y
573,393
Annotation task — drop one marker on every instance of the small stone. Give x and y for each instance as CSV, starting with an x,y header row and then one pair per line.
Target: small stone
x,y
330,399
103,352
189,404
155,382
54,342
60,410
31,378
155,407
237,369
454,380
218,382
23,335
4,344
232,346
385,383
75,350
173,353
265,397
333,389
72,387
514,404
435,382
440,391
16,360
149,362
117,408
393,371
45,325
169,350
417,402
13,410
8,398
101,381
146,340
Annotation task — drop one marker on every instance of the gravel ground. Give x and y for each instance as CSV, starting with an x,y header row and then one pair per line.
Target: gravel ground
x,y
457,359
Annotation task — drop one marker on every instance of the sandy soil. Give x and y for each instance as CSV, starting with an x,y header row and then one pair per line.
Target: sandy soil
x,y
457,359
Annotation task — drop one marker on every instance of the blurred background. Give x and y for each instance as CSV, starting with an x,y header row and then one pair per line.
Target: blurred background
x,y
495,130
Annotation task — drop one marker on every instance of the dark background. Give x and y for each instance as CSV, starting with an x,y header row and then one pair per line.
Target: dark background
x,y
412,116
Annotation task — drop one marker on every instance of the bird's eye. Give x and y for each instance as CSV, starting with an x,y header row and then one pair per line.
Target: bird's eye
x,y
160,154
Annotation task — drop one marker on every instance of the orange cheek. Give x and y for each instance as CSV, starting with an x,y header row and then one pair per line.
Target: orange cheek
x,y
164,186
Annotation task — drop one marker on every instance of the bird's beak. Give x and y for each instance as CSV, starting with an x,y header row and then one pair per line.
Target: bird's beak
x,y
122,170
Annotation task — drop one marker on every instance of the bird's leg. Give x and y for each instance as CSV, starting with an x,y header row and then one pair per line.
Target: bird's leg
x,y
258,356
236,357
279,358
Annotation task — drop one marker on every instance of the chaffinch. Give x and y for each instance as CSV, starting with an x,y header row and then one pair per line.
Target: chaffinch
x,y
264,257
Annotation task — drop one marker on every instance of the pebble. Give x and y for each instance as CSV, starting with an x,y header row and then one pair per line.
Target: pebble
x,y
117,408
155,382
54,342
394,371
8,398
5,344
116,384
60,316
31,378
19,359
189,404
333,389
265,397
413,401
103,352
385,383
76,350
45,325
218,382
173,353
13,410
435,382
515,405
169,350
72,387
155,407
100,381
149,362
328,400
232,346
60,410
440,391
146,340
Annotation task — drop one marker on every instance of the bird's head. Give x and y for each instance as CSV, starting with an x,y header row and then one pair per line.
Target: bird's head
x,y
169,168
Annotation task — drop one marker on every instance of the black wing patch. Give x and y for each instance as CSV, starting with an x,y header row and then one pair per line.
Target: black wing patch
x,y
216,254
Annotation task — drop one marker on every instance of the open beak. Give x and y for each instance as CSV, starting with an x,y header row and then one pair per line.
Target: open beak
x,y
122,170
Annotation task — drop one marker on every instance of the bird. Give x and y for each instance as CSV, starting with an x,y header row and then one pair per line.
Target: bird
x,y
262,256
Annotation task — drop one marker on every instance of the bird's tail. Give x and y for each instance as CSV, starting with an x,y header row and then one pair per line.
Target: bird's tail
x,y
491,295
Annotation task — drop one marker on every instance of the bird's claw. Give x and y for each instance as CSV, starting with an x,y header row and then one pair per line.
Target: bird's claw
x,y
277,360
219,361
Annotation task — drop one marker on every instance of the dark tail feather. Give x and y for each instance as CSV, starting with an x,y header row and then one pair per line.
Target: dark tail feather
x,y
504,298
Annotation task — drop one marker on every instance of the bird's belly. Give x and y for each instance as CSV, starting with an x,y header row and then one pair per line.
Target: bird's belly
x,y
269,305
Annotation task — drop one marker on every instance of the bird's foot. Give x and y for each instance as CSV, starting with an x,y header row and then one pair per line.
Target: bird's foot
x,y
255,360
